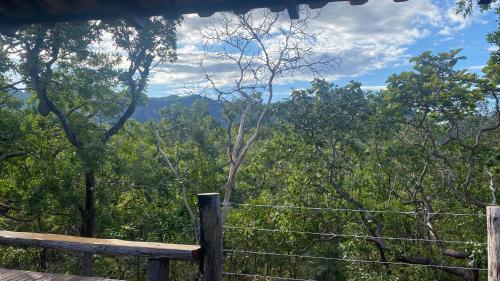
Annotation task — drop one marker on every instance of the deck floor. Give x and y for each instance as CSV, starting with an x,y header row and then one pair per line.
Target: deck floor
x,y
20,275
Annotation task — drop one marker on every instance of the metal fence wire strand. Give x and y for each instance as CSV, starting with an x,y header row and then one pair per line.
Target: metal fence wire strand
x,y
353,235
353,210
350,260
438,266
265,276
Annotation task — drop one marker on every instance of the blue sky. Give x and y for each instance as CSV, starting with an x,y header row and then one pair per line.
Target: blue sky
x,y
373,40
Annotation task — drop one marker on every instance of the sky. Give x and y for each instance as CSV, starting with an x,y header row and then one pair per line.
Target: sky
x,y
372,41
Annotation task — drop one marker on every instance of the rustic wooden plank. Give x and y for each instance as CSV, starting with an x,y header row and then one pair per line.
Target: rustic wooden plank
x,y
210,237
101,246
7,275
80,11
158,269
493,227
22,275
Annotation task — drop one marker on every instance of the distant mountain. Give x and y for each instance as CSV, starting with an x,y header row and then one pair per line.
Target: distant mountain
x,y
19,94
152,109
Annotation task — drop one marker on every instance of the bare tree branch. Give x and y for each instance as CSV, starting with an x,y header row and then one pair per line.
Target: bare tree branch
x,y
8,155
262,46
183,183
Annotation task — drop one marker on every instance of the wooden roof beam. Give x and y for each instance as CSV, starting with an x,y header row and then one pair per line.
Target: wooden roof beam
x,y
293,9
8,30
137,21
318,5
358,2
11,13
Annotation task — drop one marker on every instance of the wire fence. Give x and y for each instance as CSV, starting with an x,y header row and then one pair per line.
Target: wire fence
x,y
264,276
356,236
350,260
433,265
356,210
438,266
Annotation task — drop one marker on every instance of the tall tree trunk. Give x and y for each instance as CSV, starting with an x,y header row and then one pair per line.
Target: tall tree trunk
x,y
89,217
233,170
43,252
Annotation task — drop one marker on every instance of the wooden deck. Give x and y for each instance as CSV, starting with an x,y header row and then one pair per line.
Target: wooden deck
x,y
21,275
208,254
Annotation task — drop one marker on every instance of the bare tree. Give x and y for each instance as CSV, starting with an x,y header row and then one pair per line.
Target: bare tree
x,y
262,48
184,183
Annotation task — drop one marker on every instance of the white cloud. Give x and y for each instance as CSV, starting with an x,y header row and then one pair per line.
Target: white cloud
x,y
475,67
492,49
453,22
374,88
367,37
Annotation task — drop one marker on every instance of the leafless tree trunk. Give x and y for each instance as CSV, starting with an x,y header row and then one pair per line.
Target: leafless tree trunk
x,y
183,183
263,47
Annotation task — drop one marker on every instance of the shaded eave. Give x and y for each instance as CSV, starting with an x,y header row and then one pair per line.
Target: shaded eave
x,y
14,13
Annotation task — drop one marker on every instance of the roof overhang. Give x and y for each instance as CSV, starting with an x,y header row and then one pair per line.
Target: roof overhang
x,y
14,13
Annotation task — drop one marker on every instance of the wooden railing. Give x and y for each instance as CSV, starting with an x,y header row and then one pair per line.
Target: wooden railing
x,y
208,254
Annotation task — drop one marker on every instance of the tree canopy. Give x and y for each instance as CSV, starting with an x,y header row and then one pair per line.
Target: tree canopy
x,y
339,183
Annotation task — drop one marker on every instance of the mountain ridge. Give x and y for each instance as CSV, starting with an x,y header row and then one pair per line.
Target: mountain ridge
x,y
151,109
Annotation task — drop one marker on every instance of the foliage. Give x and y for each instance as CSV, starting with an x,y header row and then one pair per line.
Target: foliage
x,y
427,144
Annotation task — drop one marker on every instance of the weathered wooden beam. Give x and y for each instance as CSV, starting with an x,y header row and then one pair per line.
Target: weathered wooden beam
x,y
101,246
293,9
8,30
158,269
81,10
493,227
22,275
484,2
137,22
206,13
210,237
318,5
358,2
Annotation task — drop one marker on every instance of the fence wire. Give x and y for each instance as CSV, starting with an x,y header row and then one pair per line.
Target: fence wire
x,y
350,260
265,276
438,266
354,210
354,235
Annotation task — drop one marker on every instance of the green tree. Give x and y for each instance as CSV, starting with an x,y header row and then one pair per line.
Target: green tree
x,y
247,43
466,7
188,141
84,88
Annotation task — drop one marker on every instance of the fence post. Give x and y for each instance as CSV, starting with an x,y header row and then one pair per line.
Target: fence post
x,y
158,269
493,223
210,237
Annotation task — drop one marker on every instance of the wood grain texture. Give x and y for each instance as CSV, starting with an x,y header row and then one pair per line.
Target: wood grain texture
x,y
100,246
210,237
11,13
158,269
21,275
493,225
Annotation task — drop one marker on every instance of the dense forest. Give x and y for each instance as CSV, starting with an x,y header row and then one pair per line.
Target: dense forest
x,y
333,171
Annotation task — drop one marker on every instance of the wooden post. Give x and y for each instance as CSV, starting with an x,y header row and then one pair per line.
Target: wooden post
x,y
493,224
210,237
158,269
